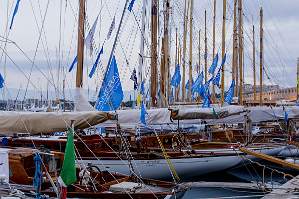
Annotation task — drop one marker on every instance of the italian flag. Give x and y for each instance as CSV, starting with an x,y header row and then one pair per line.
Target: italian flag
x,y
68,171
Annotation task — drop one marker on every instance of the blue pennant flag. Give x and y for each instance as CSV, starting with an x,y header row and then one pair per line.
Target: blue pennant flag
x,y
214,64
216,80
142,88
130,7
187,85
223,60
176,78
134,79
286,116
94,67
142,114
73,63
205,88
111,93
1,81
197,83
14,13
230,93
206,103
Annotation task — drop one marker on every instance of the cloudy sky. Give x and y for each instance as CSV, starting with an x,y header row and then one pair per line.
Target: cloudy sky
x,y
43,39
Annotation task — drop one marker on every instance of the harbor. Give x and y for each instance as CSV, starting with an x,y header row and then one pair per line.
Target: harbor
x,y
148,99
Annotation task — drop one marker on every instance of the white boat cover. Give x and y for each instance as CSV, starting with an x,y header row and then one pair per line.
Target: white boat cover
x,y
216,112
48,122
236,114
260,114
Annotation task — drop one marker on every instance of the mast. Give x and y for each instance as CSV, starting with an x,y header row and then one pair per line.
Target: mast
x,y
176,59
142,40
253,63
223,51
154,53
235,50
240,9
214,23
199,58
261,55
190,52
176,47
206,49
80,49
166,49
297,80
184,50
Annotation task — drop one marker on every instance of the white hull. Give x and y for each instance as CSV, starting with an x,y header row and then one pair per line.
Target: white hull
x,y
158,168
185,167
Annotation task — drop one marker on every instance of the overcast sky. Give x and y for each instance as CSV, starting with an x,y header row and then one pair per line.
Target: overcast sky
x,y
46,30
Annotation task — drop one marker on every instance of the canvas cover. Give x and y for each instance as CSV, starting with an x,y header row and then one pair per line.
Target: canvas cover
x,y
261,114
48,122
195,112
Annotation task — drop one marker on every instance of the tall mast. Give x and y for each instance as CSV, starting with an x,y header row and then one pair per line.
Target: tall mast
x,y
223,50
166,48
206,49
142,38
199,55
162,75
240,9
235,50
184,50
214,34
154,53
190,52
80,49
177,91
297,80
261,55
176,58
253,63
176,47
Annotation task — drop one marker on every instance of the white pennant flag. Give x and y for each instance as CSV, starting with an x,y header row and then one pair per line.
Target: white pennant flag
x,y
89,37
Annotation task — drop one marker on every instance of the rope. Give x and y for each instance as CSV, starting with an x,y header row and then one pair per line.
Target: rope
x,y
173,172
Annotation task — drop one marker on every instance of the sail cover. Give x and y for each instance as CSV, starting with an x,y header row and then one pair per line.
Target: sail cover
x,y
188,113
235,114
48,122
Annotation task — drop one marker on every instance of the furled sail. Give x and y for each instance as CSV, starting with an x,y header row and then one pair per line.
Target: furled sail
x,y
48,122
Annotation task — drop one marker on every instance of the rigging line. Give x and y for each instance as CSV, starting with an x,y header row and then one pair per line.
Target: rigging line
x,y
19,68
35,53
45,49
59,45
98,158
7,30
27,57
